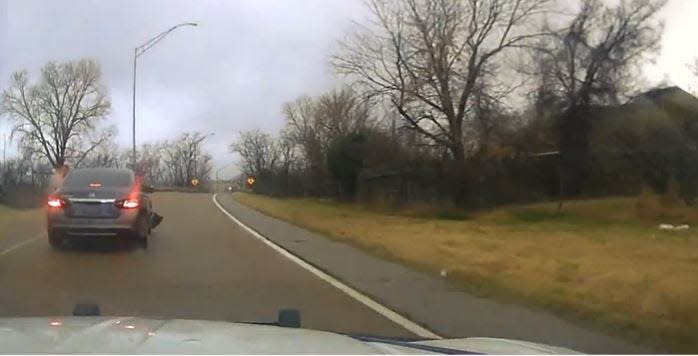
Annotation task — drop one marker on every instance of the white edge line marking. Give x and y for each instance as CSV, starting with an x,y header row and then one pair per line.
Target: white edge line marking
x,y
18,246
367,301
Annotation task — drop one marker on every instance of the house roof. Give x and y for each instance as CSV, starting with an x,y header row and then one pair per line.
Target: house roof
x,y
659,96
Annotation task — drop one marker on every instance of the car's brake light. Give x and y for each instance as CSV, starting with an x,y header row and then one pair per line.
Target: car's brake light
x,y
56,202
95,185
127,203
130,204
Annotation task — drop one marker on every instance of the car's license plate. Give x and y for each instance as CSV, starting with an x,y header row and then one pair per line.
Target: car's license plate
x,y
93,210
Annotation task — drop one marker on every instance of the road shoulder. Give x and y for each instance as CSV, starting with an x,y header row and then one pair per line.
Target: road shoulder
x,y
425,299
18,228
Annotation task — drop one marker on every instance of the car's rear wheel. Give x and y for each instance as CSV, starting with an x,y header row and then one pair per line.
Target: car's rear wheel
x,y
141,233
143,242
55,239
140,238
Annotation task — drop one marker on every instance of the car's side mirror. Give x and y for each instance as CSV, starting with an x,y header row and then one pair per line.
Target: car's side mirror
x,y
148,188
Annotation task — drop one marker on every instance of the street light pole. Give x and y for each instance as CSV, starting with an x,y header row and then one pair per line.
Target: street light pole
x,y
137,52
135,61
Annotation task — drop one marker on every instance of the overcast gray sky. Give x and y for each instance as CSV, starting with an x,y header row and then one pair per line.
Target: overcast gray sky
x,y
235,70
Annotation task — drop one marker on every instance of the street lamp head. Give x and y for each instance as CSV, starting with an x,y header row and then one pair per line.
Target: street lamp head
x,y
146,46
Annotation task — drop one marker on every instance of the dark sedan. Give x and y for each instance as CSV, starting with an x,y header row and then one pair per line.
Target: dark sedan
x,y
99,202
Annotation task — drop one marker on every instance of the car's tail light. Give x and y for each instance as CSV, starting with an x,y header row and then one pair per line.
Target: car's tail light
x,y
56,202
127,203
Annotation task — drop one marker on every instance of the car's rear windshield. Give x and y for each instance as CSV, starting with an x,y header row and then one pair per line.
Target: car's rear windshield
x,y
99,178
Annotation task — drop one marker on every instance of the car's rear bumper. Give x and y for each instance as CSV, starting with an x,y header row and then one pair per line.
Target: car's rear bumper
x,y
94,231
125,225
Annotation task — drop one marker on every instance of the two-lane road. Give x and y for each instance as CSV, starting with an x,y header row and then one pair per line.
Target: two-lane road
x,y
199,265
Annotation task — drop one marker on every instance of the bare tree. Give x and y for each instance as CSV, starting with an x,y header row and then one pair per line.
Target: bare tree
x,y
151,162
97,147
14,172
428,56
341,112
591,63
288,153
53,113
312,124
174,161
491,120
258,150
302,129
203,167
184,159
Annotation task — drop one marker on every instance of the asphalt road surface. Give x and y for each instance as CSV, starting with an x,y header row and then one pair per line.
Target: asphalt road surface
x,y
199,265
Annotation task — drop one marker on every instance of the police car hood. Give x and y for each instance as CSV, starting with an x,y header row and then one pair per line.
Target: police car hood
x,y
129,335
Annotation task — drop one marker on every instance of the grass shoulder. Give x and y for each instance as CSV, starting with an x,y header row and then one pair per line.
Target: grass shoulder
x,y
597,261
16,220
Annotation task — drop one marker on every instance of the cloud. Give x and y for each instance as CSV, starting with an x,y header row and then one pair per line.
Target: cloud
x,y
231,73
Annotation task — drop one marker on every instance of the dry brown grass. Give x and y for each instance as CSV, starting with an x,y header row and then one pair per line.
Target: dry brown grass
x,y
16,220
597,261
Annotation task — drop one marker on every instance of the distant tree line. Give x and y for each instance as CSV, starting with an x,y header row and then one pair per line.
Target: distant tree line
x,y
164,163
485,102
